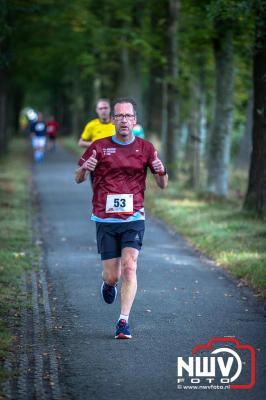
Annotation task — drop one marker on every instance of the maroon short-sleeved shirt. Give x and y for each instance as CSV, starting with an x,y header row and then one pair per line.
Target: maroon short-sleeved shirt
x,y
121,168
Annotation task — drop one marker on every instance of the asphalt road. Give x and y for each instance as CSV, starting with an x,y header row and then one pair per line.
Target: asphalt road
x,y
183,300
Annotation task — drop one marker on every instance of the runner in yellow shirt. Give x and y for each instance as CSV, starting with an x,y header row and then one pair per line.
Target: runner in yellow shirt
x,y
100,127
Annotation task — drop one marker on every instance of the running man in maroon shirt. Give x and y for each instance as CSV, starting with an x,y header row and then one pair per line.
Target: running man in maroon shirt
x,y
119,164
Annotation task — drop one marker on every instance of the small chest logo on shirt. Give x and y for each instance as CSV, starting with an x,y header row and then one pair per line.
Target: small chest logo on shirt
x,y
39,126
109,150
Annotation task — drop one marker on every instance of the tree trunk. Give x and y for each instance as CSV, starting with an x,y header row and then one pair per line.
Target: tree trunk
x,y
15,107
164,120
243,157
202,110
77,107
63,112
172,90
154,104
157,73
256,194
193,150
130,80
96,91
3,112
220,140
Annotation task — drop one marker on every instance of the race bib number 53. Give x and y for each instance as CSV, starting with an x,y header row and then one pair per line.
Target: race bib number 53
x,y
119,203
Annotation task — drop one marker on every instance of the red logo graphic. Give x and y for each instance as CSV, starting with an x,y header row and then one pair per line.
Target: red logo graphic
x,y
238,346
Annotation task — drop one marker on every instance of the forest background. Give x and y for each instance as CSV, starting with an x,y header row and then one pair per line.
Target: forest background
x,y
197,70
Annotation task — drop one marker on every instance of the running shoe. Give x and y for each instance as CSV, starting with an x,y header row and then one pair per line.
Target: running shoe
x,y
109,293
122,330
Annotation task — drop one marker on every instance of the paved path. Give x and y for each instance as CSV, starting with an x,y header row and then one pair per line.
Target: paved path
x,y
183,300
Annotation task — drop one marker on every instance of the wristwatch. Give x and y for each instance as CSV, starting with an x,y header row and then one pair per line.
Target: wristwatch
x,y
162,173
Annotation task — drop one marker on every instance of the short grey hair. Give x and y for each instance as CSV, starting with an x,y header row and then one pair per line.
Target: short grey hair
x,y
123,100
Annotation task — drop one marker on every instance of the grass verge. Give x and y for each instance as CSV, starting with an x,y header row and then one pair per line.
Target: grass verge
x,y
70,143
16,241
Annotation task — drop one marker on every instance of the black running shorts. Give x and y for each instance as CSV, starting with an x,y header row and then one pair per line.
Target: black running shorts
x,y
113,237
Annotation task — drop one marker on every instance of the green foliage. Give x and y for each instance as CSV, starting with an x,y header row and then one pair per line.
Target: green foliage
x,y
59,50
77,40
232,10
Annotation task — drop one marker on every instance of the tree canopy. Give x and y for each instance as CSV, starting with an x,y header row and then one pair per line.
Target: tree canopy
x,y
60,56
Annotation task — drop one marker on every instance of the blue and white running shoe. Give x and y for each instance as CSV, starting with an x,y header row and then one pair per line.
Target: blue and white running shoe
x,y
109,293
122,330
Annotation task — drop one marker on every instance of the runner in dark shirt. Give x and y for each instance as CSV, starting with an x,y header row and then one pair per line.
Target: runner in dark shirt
x,y
38,137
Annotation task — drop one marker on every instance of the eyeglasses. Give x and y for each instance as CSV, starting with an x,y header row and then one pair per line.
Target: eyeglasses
x,y
119,117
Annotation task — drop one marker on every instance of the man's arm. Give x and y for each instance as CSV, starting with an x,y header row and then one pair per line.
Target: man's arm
x,y
81,175
161,176
161,180
84,143
88,166
86,137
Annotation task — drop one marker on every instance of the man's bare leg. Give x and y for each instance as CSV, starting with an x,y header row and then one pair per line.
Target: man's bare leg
x,y
129,259
111,275
111,271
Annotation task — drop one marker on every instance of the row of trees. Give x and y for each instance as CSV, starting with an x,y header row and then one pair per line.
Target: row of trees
x,y
188,64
